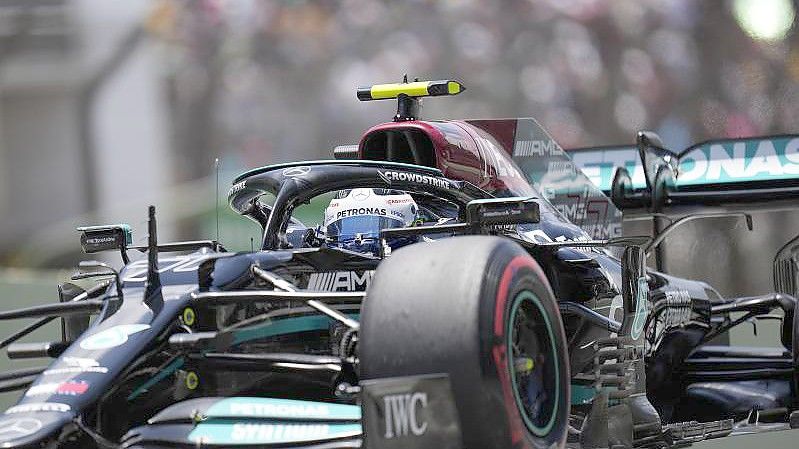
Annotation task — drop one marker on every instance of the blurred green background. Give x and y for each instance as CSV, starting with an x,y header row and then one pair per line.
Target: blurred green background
x,y
21,288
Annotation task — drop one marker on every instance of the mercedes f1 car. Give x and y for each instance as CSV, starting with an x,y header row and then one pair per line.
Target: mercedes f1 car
x,y
484,297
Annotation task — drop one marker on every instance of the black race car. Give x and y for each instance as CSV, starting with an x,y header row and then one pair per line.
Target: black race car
x,y
507,311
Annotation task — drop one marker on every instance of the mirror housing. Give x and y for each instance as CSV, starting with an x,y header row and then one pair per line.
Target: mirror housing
x,y
94,239
502,211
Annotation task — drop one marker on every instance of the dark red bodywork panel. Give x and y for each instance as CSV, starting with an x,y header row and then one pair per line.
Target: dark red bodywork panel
x,y
477,151
505,157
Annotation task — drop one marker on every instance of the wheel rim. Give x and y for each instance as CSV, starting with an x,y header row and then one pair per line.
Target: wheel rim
x,y
533,363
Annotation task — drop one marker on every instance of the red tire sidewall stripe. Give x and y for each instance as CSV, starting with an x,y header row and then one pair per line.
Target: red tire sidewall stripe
x,y
500,349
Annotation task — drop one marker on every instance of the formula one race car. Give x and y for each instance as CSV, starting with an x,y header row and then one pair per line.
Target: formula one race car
x,y
466,285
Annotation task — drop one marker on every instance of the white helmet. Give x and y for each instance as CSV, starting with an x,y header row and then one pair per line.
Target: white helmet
x,y
354,219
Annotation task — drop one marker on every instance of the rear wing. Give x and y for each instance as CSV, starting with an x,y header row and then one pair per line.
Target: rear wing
x,y
750,169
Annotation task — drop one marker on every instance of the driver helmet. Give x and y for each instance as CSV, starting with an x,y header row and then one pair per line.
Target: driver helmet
x,y
354,219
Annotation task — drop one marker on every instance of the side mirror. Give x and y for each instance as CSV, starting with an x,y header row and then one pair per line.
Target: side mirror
x,y
94,239
502,211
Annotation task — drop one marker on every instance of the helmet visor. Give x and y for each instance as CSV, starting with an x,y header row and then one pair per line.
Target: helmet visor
x,y
368,226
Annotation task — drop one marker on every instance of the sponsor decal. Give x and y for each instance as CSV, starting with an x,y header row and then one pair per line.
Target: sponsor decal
x,y
97,240
559,168
296,172
238,187
76,370
76,365
399,201
211,432
749,160
542,147
297,410
401,414
590,214
341,281
283,408
539,236
600,165
502,228
39,407
711,163
279,432
112,337
390,176
410,411
71,388
12,429
360,211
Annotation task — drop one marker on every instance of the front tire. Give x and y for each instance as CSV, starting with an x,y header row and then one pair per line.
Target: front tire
x,y
480,310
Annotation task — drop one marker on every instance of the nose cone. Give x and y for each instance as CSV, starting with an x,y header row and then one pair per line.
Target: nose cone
x,y
30,429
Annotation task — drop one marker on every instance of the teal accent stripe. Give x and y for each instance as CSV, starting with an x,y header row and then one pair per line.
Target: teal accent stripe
x,y
237,432
163,374
284,326
266,330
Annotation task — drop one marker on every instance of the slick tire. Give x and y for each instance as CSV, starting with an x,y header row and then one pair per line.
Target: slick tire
x,y
480,310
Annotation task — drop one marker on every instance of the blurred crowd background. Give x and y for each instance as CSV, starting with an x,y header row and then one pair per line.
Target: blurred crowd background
x,y
109,106
106,107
